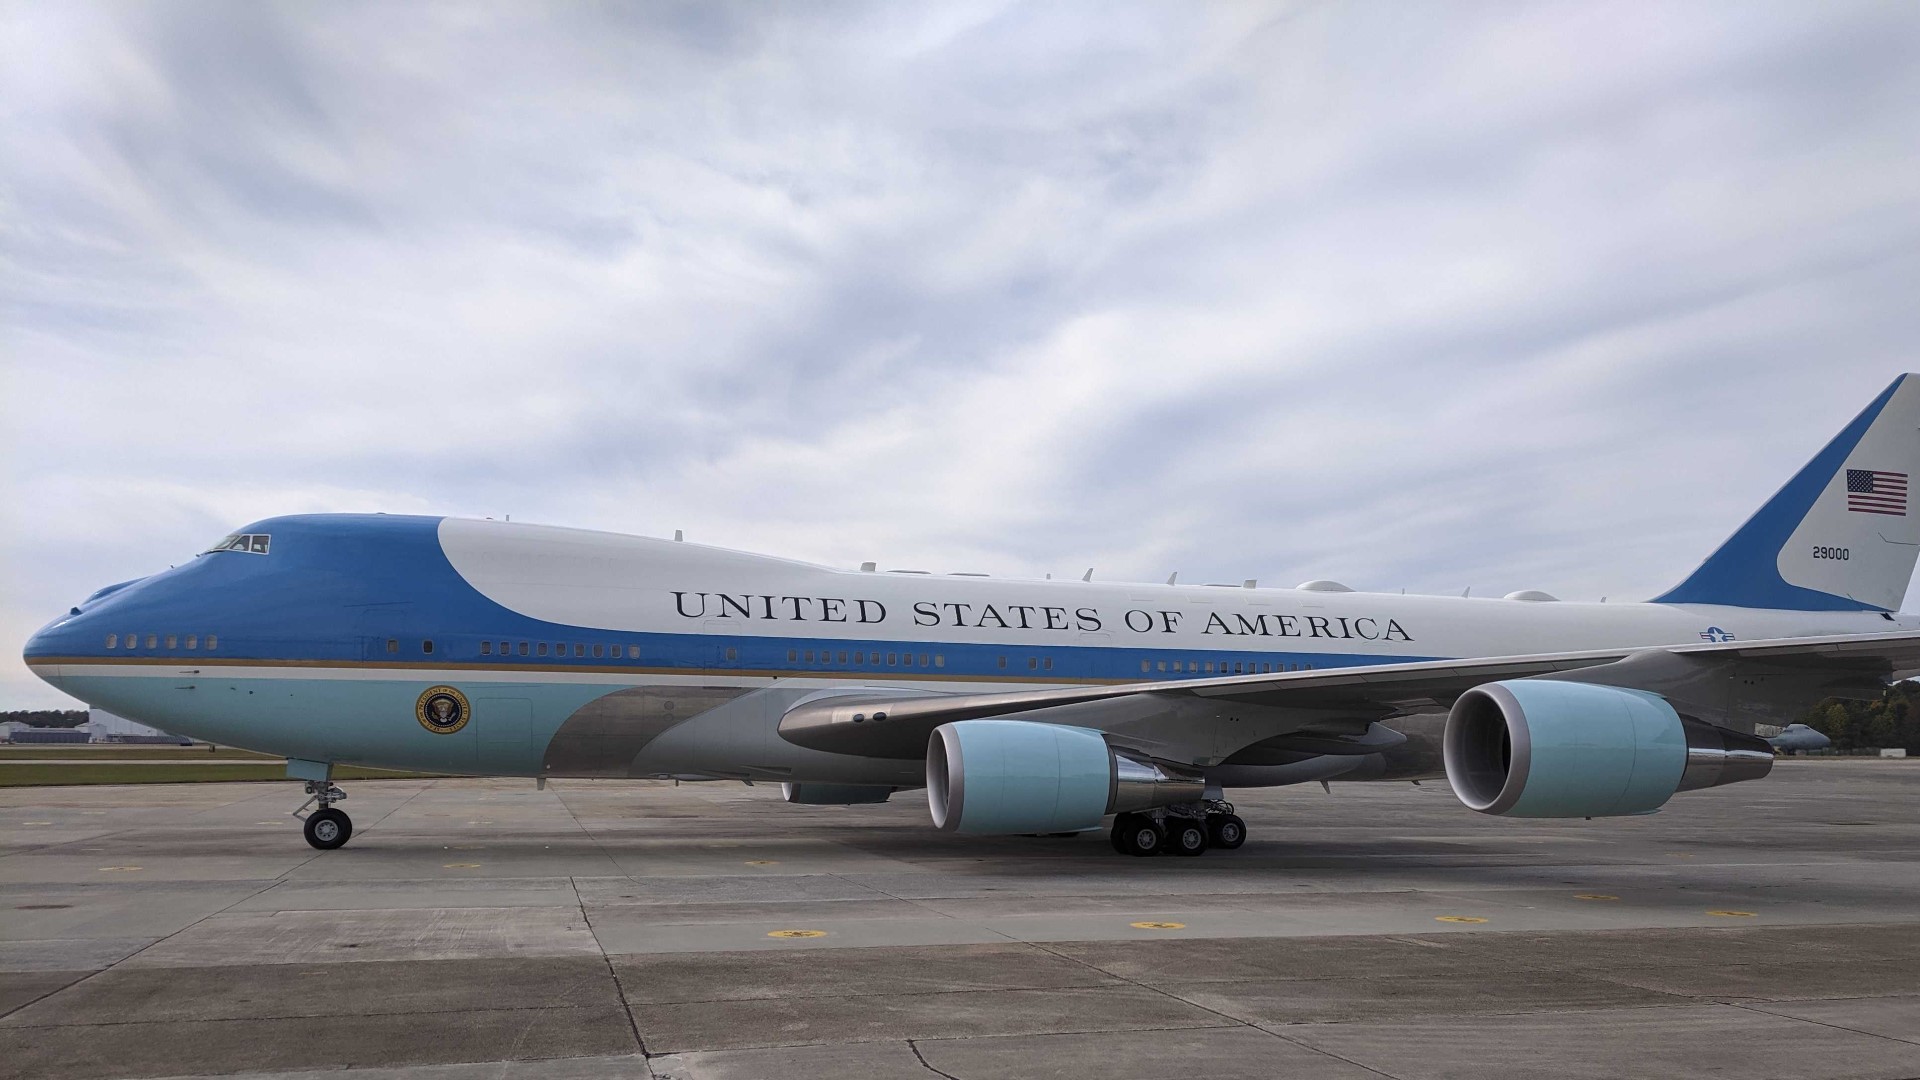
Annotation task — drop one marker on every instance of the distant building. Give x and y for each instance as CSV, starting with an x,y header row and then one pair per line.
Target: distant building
x,y
16,732
103,726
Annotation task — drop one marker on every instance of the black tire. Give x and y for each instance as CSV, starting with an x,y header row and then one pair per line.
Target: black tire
x,y
1186,836
1137,835
1226,831
328,829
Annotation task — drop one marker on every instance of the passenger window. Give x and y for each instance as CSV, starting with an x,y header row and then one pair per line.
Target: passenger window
x,y
939,660
486,648
843,658
859,657
1003,663
599,651
809,656
1047,663
1163,665
153,641
173,641
393,645
213,641
133,641
906,659
924,658
113,641
1236,667
733,654
579,649
1033,663
792,656
426,646
523,648
543,648
633,652
891,659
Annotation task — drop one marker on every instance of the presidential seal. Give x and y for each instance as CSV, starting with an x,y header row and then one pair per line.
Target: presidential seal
x,y
442,710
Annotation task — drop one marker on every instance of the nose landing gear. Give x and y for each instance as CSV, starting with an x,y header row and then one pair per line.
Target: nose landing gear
x,y
327,827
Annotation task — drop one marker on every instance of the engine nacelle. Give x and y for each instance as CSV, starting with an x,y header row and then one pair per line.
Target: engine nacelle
x,y
988,777
1546,748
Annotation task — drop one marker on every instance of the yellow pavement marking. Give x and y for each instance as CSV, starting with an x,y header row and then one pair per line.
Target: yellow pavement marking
x,y
1158,925
460,865
796,933
1593,896
1733,914
763,862
487,822
36,823
1459,918
120,868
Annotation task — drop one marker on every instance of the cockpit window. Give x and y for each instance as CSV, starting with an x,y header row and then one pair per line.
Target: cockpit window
x,y
254,543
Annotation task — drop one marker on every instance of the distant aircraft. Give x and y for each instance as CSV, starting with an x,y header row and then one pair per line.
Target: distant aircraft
x,y
1021,706
1799,737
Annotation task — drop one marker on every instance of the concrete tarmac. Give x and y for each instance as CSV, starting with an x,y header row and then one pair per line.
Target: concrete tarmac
x,y
481,928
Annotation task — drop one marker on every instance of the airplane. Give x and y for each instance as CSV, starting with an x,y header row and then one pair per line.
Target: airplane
x,y
491,648
1795,737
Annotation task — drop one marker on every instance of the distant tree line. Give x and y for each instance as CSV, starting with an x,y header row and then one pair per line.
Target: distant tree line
x,y
1890,720
45,717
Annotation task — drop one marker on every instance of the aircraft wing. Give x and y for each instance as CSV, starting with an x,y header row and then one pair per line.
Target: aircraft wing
x,y
1204,719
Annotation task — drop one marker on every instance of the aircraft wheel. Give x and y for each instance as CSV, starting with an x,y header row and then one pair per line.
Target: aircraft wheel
x,y
1226,831
1186,836
328,828
1135,834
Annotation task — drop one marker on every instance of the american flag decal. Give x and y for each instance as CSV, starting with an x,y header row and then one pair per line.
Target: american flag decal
x,y
1873,492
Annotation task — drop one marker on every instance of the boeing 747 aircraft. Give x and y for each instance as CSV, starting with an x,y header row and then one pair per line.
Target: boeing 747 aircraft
x,y
497,649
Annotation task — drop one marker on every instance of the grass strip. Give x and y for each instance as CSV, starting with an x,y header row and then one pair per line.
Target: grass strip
x,y
122,750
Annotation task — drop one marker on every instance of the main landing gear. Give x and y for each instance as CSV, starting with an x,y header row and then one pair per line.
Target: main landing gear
x,y
1185,829
328,827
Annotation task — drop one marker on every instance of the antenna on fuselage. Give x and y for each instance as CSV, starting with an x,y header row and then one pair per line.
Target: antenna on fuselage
x,y
1088,576
1173,577
678,536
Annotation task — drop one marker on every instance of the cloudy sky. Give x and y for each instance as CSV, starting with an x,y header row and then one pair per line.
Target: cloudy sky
x,y
1409,295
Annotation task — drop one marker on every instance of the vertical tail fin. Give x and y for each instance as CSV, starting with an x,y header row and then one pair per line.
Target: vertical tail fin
x,y
1842,535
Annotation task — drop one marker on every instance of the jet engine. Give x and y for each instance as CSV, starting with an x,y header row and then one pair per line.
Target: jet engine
x,y
987,777
1546,748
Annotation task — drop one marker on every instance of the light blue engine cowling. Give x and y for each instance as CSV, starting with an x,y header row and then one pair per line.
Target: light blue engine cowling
x,y
1015,776
1541,748
988,777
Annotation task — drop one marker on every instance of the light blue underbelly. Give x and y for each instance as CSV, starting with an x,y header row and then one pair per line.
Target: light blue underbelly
x,y
365,722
